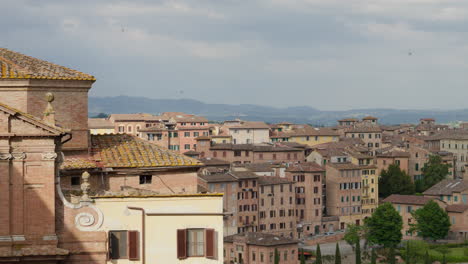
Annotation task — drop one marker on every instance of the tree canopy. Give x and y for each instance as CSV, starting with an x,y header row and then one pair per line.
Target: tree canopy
x,y
384,226
395,181
432,222
434,171
353,234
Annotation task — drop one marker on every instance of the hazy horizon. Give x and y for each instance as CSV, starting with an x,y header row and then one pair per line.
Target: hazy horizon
x,y
326,54
292,106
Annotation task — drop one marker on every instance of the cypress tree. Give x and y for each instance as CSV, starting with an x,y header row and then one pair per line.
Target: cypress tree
x,y
302,257
444,261
373,257
318,259
277,256
358,252
337,255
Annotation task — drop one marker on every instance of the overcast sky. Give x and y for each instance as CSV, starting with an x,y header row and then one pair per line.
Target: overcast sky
x,y
328,54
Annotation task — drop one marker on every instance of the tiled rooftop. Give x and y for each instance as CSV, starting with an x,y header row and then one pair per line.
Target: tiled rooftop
x,y
447,187
407,199
260,239
124,151
306,167
14,65
32,119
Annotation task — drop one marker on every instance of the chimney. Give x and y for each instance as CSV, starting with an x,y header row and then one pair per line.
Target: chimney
x,y
49,113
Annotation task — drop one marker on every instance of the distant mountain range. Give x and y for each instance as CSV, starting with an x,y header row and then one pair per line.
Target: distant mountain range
x,y
299,114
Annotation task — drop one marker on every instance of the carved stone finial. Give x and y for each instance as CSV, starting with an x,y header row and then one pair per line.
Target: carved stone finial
x,y
50,97
49,113
85,187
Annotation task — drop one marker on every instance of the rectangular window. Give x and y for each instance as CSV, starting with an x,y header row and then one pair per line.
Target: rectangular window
x,y
118,244
186,134
124,245
196,134
146,179
195,242
187,146
237,153
75,180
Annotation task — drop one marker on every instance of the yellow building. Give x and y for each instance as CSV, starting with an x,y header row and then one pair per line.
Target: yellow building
x,y
370,181
221,139
303,134
185,228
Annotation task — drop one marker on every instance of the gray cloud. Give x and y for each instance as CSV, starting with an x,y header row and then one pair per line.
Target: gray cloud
x,y
329,54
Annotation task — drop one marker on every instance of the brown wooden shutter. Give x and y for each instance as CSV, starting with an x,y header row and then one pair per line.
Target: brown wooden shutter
x,y
109,252
210,243
181,243
133,245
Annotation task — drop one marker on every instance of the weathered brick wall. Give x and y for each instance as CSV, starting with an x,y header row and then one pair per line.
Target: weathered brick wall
x,y
70,104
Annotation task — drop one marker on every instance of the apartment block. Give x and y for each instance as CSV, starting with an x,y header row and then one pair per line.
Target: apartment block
x,y
344,193
309,189
276,208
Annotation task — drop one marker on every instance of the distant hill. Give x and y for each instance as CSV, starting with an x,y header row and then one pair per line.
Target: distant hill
x,y
298,114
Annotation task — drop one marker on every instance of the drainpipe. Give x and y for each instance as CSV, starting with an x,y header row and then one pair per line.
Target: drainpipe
x,y
143,248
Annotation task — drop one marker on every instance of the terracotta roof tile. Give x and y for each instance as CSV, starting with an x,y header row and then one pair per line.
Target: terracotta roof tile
x,y
306,167
260,239
407,199
14,65
32,119
124,151
457,208
447,187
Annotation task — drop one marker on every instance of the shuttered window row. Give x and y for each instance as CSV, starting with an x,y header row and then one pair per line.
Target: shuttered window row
x,y
125,244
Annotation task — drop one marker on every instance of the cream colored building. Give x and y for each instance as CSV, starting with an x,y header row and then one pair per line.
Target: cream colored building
x,y
248,132
100,126
163,228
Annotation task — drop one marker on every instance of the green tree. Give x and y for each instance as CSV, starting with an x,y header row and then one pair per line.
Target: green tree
x,y
353,234
444,261
358,252
392,256
318,258
337,254
395,181
427,258
408,256
432,222
384,226
434,171
277,256
101,115
302,257
373,257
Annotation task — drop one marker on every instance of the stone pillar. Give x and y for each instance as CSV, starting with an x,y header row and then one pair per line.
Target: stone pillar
x,y
17,195
5,158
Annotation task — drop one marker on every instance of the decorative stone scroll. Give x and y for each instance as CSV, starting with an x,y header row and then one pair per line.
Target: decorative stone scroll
x,y
6,156
49,156
84,221
19,155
